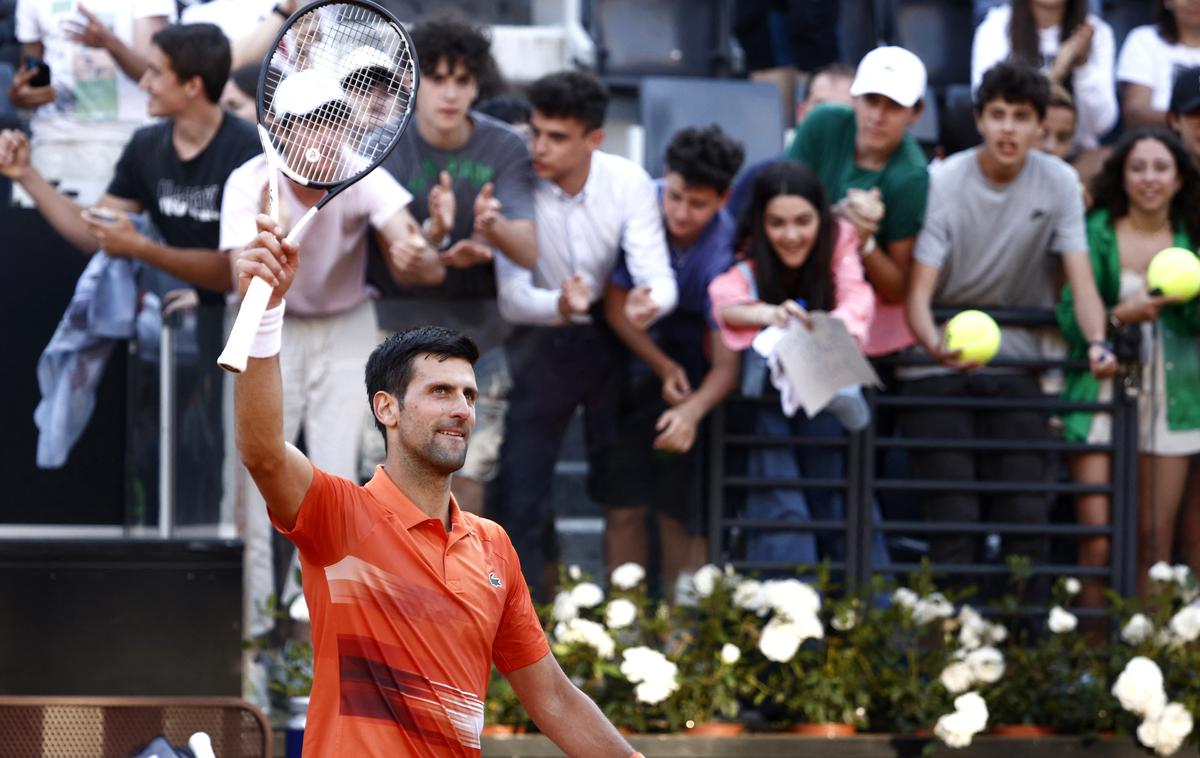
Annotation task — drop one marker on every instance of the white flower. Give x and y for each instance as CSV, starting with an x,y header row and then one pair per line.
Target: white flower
x,y
781,637
932,607
905,597
564,607
1166,733
972,628
654,675
1185,624
1072,586
1140,687
298,610
997,633
844,620
1181,573
1061,621
730,654
968,719
986,664
620,613
1137,629
587,595
957,677
584,632
750,595
574,573
705,579
627,576
1162,572
792,598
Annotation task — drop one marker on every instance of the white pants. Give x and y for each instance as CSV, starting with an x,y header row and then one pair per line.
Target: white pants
x,y
321,363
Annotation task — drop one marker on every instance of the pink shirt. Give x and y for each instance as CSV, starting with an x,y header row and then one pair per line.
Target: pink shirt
x,y
854,297
333,276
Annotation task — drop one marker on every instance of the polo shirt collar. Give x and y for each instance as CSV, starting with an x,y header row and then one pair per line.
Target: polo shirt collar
x,y
386,491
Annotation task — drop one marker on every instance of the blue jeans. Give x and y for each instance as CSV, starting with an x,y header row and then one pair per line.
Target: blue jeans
x,y
802,504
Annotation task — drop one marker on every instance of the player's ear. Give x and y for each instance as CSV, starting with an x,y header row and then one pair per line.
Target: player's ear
x,y
386,408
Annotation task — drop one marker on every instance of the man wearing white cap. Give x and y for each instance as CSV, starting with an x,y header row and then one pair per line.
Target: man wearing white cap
x,y
331,318
876,172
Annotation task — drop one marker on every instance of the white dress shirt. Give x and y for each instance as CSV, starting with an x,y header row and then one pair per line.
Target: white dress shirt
x,y
585,233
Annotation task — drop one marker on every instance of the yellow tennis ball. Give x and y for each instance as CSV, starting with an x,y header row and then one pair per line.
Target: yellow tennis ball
x,y
975,335
1175,273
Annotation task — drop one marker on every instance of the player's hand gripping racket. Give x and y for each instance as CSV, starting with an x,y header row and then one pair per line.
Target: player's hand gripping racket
x,y
334,96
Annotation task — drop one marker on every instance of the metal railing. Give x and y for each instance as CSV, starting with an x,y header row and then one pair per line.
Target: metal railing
x,y
863,481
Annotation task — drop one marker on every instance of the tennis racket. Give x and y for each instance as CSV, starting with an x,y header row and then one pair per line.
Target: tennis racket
x,y
334,97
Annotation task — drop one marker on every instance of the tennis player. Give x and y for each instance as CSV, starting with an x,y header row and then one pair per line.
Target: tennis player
x,y
412,599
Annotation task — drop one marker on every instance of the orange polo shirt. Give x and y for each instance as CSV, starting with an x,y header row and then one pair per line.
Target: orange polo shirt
x,y
407,620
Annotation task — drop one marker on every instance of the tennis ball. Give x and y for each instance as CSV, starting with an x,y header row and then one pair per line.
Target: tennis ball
x,y
975,335
1175,273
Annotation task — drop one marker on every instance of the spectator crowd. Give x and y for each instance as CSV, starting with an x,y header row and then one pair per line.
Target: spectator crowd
x,y
638,300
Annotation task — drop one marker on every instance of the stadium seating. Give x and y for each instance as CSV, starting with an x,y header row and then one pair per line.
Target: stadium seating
x,y
636,38
670,103
957,127
939,32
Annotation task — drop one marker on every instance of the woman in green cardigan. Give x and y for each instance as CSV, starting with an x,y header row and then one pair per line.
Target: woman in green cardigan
x,y
1145,198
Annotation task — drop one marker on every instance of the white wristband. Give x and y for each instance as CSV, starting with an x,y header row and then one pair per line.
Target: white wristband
x,y
269,338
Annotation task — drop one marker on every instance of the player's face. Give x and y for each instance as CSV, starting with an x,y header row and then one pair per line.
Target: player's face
x,y
1187,125
1009,130
561,146
234,101
688,209
880,123
791,224
1151,176
310,145
435,420
445,96
1058,130
166,95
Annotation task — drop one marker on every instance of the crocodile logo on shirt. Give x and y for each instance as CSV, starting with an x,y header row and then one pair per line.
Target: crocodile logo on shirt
x,y
495,580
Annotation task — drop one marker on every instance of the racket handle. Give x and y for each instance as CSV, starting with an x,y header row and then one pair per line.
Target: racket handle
x,y
237,348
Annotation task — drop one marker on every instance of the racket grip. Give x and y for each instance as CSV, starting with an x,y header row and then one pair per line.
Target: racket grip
x,y
237,348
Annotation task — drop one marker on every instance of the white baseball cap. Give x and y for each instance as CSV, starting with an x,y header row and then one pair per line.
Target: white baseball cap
x,y
892,72
365,57
304,92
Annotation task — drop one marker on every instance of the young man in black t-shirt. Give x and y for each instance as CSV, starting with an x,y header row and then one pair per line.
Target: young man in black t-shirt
x,y
174,170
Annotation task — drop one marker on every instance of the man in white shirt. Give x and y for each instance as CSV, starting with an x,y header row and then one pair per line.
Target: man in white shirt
x,y
331,322
589,206
97,52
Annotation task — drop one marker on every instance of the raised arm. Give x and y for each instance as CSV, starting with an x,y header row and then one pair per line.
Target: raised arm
x,y
564,714
280,471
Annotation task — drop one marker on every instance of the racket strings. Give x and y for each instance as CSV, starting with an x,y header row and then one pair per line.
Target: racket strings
x,y
351,78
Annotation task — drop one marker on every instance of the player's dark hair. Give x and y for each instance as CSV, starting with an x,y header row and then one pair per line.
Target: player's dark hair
x,y
197,50
705,157
507,108
571,94
1108,187
1023,28
452,38
813,281
245,79
1014,83
390,367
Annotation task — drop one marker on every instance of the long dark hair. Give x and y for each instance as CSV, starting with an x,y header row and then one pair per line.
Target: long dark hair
x,y
813,281
1108,186
1023,31
1168,26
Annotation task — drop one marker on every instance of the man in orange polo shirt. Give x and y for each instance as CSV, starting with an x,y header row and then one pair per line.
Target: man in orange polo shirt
x,y
412,600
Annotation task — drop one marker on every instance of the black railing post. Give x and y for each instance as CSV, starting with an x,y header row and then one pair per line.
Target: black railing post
x,y
717,553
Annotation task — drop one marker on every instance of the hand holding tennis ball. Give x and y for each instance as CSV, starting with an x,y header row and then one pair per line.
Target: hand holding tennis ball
x,y
1174,273
974,335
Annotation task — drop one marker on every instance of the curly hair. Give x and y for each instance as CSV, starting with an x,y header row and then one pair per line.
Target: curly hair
x,y
705,157
571,94
1108,186
1014,83
813,281
452,38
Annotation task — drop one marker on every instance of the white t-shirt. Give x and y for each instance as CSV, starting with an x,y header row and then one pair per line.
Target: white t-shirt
x,y
235,17
332,277
1149,60
1092,83
91,87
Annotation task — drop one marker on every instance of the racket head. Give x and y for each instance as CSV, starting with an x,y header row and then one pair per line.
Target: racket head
x,y
336,92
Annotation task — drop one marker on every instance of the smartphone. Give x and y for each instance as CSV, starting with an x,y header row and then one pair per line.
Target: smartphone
x,y
101,214
41,77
